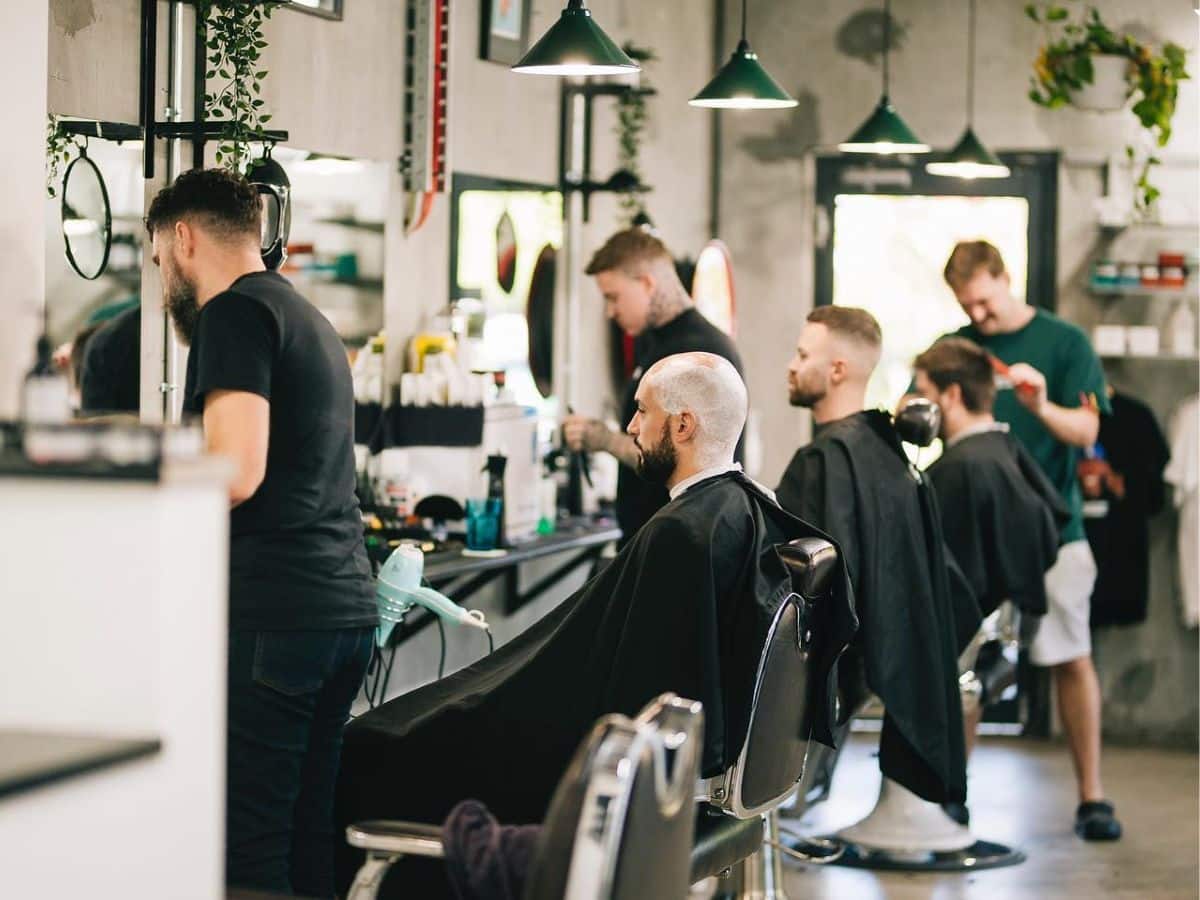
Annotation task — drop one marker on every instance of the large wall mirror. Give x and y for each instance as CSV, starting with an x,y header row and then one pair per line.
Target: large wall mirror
x,y
504,242
336,244
93,243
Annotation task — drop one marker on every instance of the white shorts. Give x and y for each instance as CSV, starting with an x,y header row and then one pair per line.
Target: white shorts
x,y
1065,633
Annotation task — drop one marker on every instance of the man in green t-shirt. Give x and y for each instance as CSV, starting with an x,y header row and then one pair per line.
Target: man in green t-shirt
x,y
1054,411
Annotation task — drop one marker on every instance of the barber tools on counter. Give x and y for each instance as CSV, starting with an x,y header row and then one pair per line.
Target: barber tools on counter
x,y
398,589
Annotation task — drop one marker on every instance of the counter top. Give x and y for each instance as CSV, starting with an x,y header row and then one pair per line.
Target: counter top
x,y
574,535
29,759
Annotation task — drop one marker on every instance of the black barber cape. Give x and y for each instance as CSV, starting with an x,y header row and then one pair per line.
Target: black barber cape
x,y
854,482
1001,518
684,607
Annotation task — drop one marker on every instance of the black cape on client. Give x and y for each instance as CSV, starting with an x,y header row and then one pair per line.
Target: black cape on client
x,y
684,607
854,482
1001,518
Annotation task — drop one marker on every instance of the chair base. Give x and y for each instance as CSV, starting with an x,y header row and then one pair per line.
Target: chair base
x,y
980,855
760,876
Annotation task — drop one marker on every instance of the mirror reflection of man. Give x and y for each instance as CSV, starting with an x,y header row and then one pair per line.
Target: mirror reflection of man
x,y
635,273
1054,411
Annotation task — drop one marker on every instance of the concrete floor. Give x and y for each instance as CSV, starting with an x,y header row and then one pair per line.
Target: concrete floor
x,y
1023,793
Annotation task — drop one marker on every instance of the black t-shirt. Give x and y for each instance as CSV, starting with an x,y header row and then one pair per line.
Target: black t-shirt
x,y
110,380
689,332
297,559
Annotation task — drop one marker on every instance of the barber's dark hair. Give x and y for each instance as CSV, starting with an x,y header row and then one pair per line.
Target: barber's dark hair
x,y
218,200
956,360
968,258
849,321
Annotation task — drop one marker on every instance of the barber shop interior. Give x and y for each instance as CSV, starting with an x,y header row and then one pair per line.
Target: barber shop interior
x,y
661,449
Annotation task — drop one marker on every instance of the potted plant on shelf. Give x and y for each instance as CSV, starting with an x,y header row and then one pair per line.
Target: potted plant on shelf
x,y
1090,66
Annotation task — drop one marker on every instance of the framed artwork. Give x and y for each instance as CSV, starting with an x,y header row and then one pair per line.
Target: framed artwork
x,y
329,9
504,30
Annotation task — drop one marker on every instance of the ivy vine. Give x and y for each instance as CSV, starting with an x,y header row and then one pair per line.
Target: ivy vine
x,y
59,145
233,36
632,118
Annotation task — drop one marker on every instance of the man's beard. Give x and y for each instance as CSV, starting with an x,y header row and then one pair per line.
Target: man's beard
x,y
185,311
806,395
657,464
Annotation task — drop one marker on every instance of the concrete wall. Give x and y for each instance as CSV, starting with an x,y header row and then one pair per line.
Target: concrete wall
x,y
813,48
22,179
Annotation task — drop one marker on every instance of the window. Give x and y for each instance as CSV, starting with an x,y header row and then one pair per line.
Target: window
x,y
330,9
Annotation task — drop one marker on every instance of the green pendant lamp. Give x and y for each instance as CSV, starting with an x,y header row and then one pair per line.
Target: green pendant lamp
x,y
884,132
576,45
743,83
970,158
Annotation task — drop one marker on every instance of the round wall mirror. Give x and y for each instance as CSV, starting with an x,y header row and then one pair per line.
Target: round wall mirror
x,y
506,253
712,287
86,218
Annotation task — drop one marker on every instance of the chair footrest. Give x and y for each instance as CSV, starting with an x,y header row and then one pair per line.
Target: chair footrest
x,y
721,841
408,838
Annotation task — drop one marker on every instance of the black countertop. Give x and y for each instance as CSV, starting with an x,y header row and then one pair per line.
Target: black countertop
x,y
29,759
575,535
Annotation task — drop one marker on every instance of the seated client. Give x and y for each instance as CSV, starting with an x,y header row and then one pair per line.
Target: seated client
x,y
855,482
684,607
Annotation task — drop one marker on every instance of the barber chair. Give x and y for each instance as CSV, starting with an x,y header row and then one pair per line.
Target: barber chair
x,y
737,824
620,824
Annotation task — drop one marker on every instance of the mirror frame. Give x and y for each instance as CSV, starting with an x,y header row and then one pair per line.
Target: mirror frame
x,y
83,157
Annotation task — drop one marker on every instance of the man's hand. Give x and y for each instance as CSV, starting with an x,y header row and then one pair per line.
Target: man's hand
x,y
582,433
1030,387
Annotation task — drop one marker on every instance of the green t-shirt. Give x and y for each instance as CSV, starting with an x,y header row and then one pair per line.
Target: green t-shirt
x,y
1063,354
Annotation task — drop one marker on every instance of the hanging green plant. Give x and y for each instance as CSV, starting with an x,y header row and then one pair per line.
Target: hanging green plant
x,y
59,145
233,35
1066,71
632,118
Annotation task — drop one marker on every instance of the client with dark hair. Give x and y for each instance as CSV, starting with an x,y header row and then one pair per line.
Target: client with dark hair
x,y
684,607
270,378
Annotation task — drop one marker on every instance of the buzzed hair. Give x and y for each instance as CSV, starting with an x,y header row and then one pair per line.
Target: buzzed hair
x,y
956,360
630,251
221,201
967,258
711,388
849,322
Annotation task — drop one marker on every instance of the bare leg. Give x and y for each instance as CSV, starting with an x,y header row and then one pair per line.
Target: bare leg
x,y
1079,708
971,720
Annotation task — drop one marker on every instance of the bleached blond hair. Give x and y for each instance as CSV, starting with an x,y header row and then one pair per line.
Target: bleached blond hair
x,y
710,388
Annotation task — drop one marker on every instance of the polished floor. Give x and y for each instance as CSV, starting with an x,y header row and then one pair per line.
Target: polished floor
x,y
1023,793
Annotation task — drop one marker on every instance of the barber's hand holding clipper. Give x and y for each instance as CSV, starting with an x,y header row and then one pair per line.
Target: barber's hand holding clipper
x,y
583,434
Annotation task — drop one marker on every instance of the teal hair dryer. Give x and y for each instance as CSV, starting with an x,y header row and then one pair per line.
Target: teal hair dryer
x,y
398,589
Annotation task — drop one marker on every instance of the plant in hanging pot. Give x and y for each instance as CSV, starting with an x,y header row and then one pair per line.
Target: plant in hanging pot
x,y
233,38
1090,66
632,119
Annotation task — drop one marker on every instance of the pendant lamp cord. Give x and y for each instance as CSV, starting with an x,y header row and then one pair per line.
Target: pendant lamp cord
x,y
743,21
971,69
887,41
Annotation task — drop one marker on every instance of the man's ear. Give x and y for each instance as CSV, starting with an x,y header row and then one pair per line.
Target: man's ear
x,y
685,426
648,282
951,396
185,239
838,370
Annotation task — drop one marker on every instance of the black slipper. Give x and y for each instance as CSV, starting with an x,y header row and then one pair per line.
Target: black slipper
x,y
958,812
1095,821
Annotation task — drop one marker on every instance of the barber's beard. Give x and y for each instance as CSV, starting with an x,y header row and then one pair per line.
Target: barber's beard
x,y
807,393
180,301
657,464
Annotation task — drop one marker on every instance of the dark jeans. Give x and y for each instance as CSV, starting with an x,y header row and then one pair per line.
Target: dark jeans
x,y
290,694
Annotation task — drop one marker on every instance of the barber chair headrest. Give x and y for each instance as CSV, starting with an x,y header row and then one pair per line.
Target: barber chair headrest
x,y
812,562
621,822
919,422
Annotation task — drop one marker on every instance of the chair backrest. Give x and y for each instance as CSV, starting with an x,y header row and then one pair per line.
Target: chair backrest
x,y
621,823
771,760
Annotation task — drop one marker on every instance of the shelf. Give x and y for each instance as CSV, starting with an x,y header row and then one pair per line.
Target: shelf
x,y
1158,357
108,131
1187,292
375,227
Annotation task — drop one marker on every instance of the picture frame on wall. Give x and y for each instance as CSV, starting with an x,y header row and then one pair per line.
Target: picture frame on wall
x,y
504,30
326,9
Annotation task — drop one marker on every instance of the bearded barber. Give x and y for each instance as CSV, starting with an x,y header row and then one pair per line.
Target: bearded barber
x,y
270,378
635,273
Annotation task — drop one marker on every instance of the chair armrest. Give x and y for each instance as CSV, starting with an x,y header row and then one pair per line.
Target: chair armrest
x,y
404,838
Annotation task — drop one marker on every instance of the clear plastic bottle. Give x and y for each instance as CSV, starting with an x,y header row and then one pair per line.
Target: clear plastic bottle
x,y
46,394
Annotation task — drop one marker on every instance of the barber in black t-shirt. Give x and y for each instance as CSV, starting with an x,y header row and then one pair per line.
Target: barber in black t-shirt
x,y
271,379
643,295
